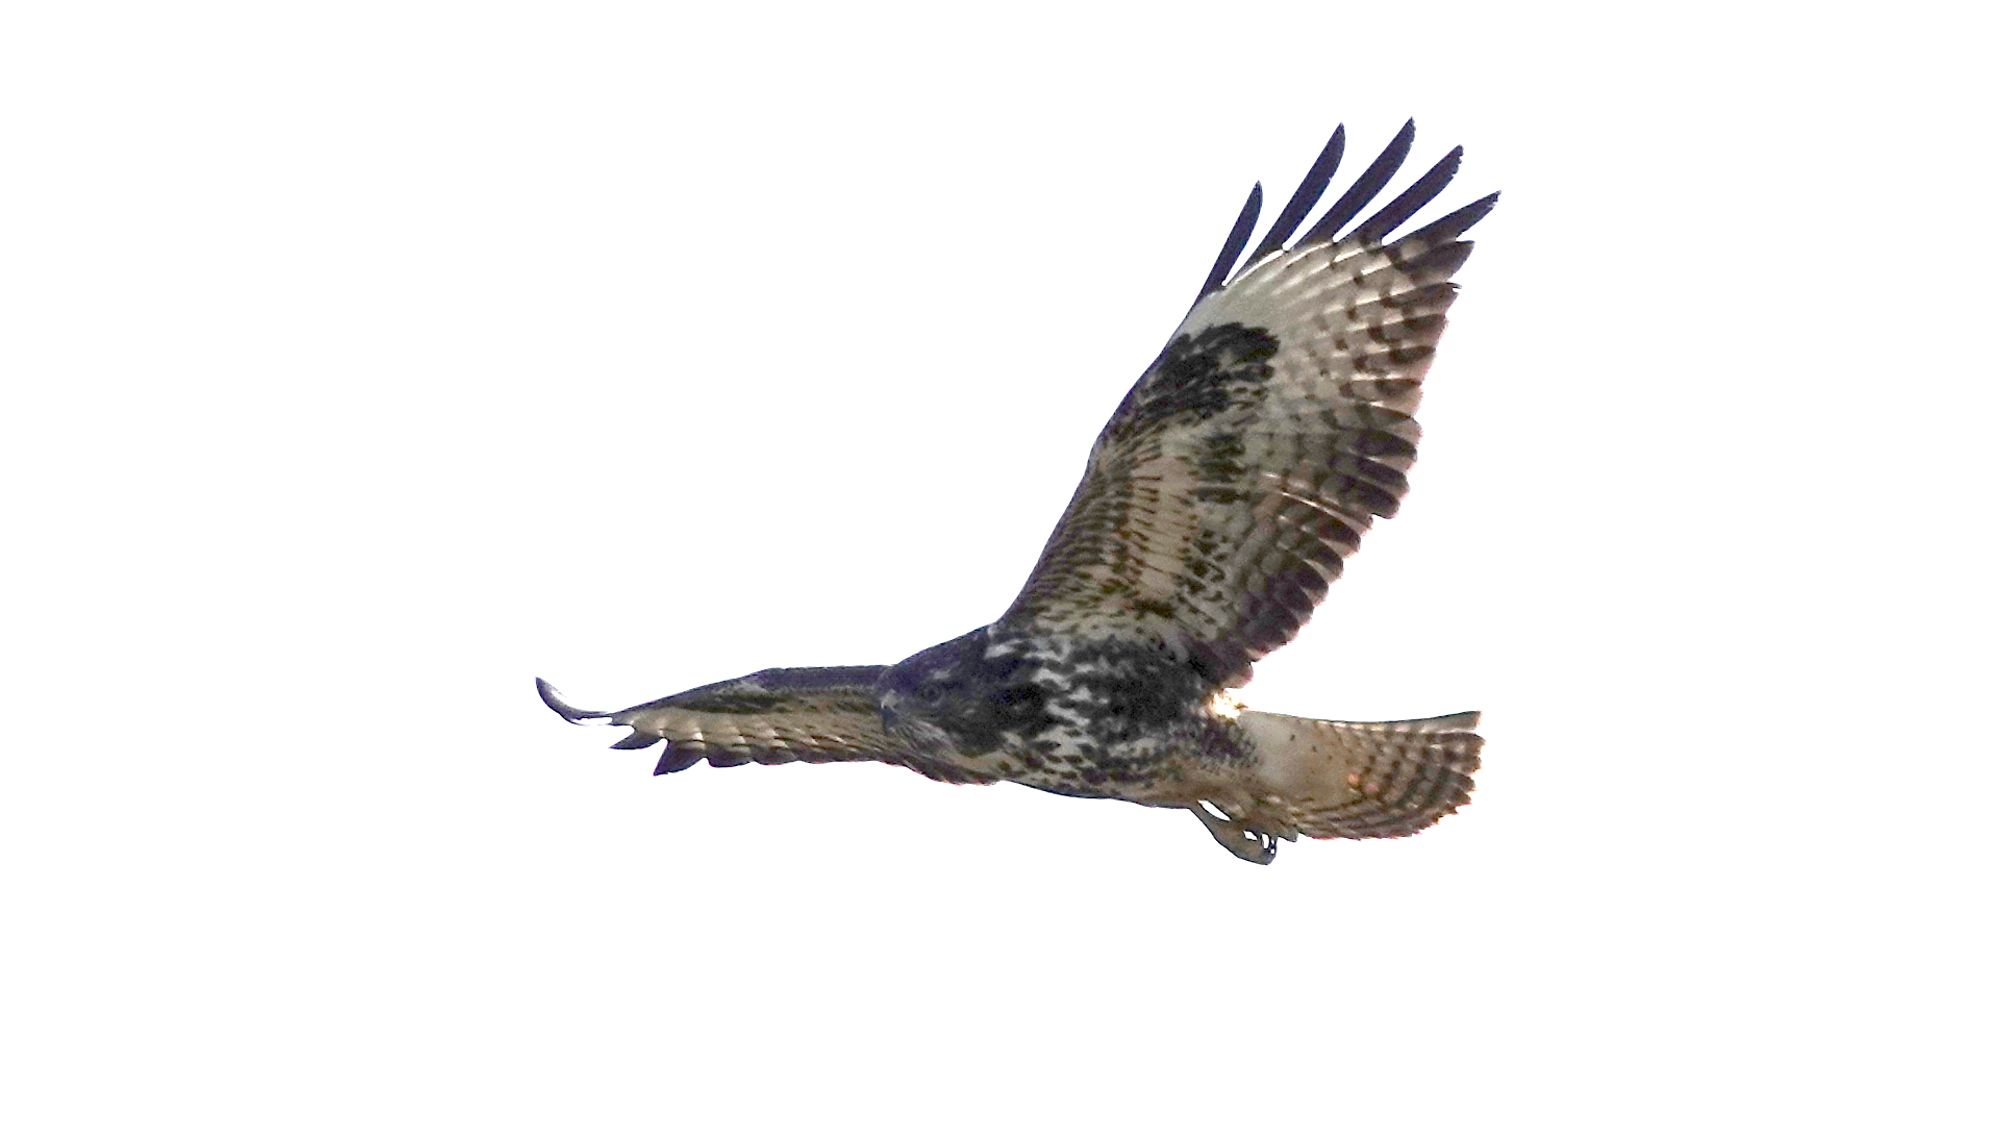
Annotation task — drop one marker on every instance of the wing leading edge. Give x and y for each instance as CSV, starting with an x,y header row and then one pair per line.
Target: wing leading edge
x,y
771,717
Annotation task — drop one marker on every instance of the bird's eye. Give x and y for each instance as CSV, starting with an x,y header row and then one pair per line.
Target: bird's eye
x,y
931,693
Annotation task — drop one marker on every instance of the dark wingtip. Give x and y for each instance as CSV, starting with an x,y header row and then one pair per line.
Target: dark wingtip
x,y
1412,200
1456,223
556,704
637,740
676,759
1232,247
1310,188
1359,194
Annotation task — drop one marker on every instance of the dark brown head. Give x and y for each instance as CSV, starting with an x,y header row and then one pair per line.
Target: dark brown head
x,y
967,695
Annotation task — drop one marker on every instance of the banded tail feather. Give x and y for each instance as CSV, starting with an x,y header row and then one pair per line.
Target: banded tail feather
x,y
1366,780
1328,778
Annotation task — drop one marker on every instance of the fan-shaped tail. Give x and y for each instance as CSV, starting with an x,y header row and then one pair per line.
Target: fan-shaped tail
x,y
1364,780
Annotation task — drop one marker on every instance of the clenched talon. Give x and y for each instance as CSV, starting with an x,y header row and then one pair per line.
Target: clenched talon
x,y
1257,847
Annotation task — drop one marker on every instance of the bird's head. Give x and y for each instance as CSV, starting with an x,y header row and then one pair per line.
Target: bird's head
x,y
921,696
967,695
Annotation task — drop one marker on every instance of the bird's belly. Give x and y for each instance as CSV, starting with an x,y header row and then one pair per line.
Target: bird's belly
x,y
1089,717
1076,765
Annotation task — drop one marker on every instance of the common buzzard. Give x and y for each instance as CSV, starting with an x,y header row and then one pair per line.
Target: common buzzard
x,y
1218,503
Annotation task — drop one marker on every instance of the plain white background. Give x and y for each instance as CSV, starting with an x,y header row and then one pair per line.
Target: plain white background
x,y
364,361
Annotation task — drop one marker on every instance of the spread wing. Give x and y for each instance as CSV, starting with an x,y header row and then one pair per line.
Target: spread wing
x,y
1242,468
770,717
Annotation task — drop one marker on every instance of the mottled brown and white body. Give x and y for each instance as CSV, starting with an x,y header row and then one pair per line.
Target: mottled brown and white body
x,y
1219,502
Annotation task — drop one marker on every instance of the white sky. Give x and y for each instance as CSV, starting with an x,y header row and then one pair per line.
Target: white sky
x,y
363,364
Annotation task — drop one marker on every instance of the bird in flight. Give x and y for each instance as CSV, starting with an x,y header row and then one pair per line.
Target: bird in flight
x,y
1219,501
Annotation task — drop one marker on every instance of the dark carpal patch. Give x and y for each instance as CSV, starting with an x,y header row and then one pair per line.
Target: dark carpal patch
x,y
1199,376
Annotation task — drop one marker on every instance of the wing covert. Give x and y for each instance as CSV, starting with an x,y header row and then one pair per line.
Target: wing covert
x,y
1240,471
